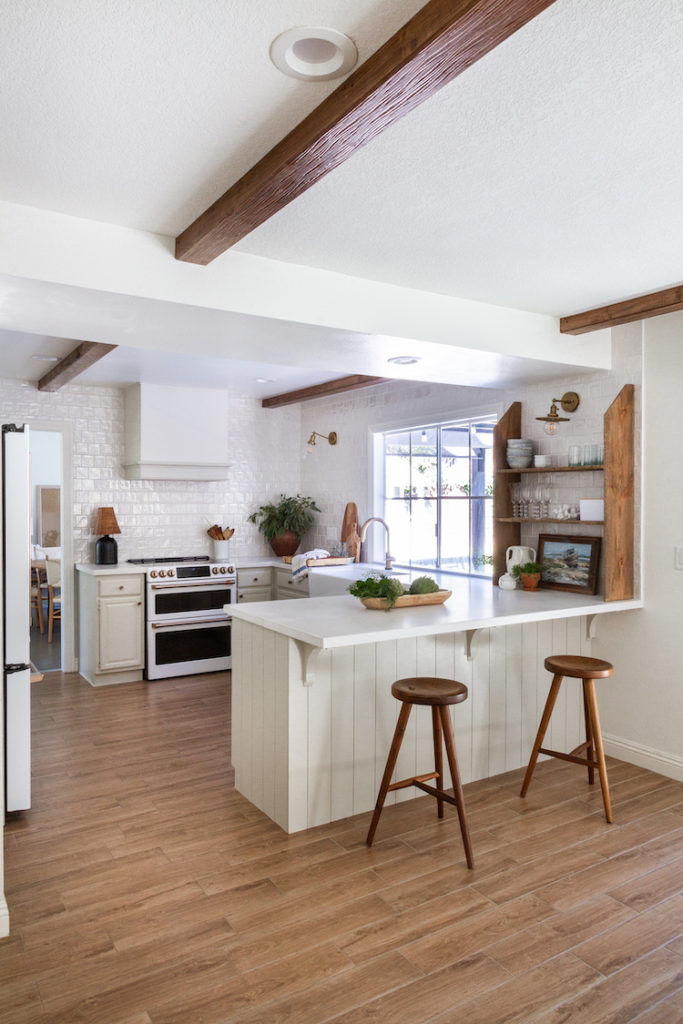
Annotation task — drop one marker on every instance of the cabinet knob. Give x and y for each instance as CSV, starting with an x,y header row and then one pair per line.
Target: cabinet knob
x,y
121,586
255,579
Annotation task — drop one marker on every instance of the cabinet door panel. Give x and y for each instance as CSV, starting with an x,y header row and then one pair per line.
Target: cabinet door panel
x,y
120,634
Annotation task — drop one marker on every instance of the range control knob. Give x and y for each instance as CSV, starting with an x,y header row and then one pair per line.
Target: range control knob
x,y
231,570
171,572
215,570
162,572
223,569
153,574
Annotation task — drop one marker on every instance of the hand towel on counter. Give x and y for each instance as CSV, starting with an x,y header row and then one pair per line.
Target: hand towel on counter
x,y
299,567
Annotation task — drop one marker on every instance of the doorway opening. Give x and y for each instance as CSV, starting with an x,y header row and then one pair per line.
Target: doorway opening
x,y
46,450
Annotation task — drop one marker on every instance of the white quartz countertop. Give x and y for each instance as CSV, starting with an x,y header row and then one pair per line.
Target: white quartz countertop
x,y
342,621
121,569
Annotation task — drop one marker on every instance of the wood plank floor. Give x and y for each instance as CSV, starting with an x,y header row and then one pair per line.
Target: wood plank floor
x,y
144,889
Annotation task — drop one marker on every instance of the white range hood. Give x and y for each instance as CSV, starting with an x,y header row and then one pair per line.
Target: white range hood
x,y
175,433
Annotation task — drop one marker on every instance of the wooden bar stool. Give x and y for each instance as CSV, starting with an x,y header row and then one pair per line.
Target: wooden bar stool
x,y
586,669
438,694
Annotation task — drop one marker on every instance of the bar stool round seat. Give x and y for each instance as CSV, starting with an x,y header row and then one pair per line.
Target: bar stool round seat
x,y
432,691
578,667
591,753
438,694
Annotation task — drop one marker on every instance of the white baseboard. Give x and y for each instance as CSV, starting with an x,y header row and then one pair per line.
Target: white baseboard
x,y
4,917
646,757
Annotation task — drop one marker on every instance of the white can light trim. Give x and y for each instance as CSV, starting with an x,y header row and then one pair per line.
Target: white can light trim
x,y
313,54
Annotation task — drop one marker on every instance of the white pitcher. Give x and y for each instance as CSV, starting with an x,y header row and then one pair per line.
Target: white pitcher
x,y
518,555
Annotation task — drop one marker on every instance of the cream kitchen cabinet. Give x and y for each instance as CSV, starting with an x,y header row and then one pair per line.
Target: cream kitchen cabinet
x,y
286,587
254,584
112,625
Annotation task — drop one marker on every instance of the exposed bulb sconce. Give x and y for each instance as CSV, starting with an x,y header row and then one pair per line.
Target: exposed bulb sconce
x,y
569,403
331,437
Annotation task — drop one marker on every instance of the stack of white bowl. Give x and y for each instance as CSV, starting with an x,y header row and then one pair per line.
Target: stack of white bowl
x,y
520,453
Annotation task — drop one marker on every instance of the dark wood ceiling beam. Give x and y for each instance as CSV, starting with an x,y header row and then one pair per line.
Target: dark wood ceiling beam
x,y
71,366
440,42
626,312
330,387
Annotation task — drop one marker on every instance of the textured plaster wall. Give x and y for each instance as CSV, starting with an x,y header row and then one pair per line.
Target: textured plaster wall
x,y
163,517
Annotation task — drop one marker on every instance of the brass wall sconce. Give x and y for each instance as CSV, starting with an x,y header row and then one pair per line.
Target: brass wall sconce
x,y
569,403
331,437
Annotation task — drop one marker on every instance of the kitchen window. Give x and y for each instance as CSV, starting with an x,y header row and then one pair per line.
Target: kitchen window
x,y
438,495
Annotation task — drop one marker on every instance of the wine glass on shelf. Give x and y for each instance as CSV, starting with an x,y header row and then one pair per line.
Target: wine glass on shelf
x,y
515,493
525,498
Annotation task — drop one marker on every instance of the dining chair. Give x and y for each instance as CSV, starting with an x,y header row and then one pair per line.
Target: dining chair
x,y
37,598
53,568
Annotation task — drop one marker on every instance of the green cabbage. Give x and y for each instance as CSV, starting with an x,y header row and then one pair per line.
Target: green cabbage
x,y
423,585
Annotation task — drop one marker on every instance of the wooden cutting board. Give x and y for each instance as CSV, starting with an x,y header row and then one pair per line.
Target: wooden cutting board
x,y
349,531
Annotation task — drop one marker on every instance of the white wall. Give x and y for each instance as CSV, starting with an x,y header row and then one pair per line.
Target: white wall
x,y
164,517
642,708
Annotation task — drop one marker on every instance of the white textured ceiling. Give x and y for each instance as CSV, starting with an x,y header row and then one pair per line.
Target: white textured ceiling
x,y
547,177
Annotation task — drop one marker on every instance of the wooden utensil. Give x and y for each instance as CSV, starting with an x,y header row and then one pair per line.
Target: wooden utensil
x,y
349,531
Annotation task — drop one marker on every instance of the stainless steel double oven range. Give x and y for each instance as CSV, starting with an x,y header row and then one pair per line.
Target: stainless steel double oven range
x,y
188,630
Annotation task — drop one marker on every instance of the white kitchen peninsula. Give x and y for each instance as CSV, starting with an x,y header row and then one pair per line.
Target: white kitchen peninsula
x,y
313,714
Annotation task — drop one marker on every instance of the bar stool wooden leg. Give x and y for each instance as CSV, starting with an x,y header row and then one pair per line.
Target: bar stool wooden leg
x,y
600,753
538,742
399,732
457,786
590,749
438,756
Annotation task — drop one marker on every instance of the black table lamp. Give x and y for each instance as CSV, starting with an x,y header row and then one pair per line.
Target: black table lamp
x,y
106,551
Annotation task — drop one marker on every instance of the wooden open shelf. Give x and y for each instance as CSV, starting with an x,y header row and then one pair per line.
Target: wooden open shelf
x,y
617,547
545,519
555,469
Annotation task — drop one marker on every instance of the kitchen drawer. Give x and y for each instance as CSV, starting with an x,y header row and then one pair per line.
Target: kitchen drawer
x,y
253,577
254,594
284,581
282,594
120,586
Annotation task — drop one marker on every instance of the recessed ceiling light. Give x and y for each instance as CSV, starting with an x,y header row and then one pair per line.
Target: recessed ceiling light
x,y
403,360
265,380
46,359
313,54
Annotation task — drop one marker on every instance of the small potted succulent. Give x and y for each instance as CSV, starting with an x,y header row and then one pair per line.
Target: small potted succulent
x,y
283,523
529,573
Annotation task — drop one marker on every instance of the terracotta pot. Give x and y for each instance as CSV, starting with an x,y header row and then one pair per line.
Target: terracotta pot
x,y
531,581
285,543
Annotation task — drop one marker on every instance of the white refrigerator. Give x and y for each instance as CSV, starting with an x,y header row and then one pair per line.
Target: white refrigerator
x,y
16,565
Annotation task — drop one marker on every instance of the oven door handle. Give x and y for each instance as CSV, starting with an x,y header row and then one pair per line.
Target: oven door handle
x,y
199,583
192,622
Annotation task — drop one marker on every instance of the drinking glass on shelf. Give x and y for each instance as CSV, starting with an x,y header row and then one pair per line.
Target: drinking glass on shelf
x,y
575,455
515,494
525,498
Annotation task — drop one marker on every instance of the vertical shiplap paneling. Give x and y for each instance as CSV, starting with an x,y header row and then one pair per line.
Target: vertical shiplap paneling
x,y
544,648
463,714
513,696
247,682
406,662
341,742
280,767
386,709
319,732
257,710
297,809
424,738
236,684
559,719
267,639
481,710
365,755
575,724
529,688
497,701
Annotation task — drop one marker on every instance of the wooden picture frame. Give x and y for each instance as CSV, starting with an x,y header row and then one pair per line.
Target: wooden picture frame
x,y
49,515
569,562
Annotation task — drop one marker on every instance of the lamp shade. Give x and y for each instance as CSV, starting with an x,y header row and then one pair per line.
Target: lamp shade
x,y
106,522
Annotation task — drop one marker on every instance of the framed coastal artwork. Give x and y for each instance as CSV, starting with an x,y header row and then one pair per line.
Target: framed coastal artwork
x,y
569,562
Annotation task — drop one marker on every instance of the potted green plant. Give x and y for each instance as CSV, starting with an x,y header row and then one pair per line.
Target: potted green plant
x,y
529,573
283,523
